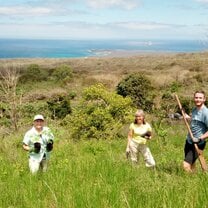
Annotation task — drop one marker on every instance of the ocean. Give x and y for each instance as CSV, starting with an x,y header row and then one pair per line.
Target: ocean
x,y
22,48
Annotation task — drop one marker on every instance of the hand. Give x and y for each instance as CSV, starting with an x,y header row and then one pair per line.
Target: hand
x,y
31,149
196,140
127,149
147,135
127,152
49,145
37,147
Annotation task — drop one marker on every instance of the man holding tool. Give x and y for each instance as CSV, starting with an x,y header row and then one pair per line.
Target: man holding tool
x,y
195,141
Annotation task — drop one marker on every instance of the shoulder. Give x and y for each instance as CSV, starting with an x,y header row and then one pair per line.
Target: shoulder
x,y
132,125
47,132
205,112
28,135
194,110
205,109
45,128
148,126
30,132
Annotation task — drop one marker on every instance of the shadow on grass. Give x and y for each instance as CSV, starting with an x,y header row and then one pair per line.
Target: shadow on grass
x,y
173,167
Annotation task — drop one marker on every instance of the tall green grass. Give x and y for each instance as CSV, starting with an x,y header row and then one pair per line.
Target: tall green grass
x,y
96,174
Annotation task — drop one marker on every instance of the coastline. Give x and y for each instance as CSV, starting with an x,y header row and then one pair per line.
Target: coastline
x,y
99,54
64,49
129,53
161,68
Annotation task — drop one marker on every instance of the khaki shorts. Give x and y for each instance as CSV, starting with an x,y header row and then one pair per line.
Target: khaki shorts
x,y
135,148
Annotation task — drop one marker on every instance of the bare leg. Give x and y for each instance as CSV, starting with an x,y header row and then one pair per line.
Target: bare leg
x,y
188,167
43,165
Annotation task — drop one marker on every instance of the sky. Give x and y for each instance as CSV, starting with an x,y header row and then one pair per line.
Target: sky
x,y
104,19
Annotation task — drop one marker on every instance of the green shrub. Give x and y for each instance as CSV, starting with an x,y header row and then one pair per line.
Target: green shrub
x,y
72,95
5,116
175,86
33,73
30,109
99,115
3,108
138,87
5,122
59,107
187,104
62,73
167,103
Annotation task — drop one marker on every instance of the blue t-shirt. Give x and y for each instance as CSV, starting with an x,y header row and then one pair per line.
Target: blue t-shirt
x,y
199,123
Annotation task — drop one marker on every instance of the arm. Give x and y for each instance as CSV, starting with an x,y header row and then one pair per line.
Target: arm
x,y
187,116
36,148
26,142
26,147
130,134
148,135
204,136
50,140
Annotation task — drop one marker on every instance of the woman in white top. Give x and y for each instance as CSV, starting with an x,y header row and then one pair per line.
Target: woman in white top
x,y
139,132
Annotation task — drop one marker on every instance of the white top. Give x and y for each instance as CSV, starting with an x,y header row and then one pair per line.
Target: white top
x,y
42,137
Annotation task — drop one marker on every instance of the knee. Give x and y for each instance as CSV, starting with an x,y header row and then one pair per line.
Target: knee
x,y
187,166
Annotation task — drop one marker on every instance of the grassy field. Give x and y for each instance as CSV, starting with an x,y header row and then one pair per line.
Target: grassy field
x,y
96,174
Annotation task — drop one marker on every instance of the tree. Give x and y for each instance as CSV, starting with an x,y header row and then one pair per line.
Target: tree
x,y
9,76
33,73
99,115
62,73
59,106
138,87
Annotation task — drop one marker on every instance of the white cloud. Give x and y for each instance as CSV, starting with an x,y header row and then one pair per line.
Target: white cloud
x,y
141,26
130,26
84,30
124,4
39,11
202,1
95,4
22,11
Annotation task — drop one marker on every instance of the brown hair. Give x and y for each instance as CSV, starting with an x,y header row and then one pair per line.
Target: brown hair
x,y
200,91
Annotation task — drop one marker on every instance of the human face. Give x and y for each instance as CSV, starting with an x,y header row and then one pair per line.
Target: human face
x,y
38,124
199,99
139,118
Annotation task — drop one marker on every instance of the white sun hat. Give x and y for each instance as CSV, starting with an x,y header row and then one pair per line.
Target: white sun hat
x,y
38,117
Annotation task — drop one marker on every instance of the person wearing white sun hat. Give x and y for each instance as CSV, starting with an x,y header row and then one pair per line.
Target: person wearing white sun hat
x,y
38,141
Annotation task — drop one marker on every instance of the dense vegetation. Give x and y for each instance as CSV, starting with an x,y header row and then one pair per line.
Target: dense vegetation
x,y
89,104
138,87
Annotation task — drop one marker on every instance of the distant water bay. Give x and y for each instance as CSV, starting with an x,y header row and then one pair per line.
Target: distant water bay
x,y
22,48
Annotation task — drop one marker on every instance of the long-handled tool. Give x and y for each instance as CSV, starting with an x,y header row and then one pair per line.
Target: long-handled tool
x,y
199,152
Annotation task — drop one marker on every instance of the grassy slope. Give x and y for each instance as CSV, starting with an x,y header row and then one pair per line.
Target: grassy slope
x,y
96,174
